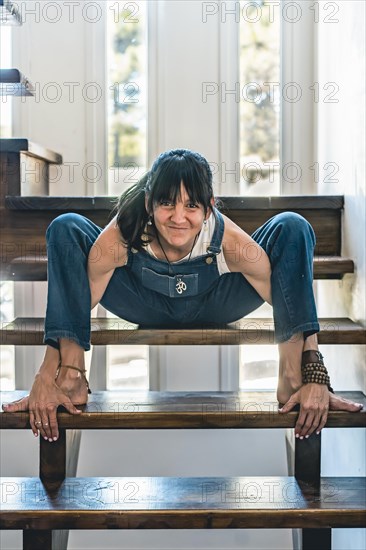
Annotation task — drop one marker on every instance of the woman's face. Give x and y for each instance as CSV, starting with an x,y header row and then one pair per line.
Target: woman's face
x,y
179,223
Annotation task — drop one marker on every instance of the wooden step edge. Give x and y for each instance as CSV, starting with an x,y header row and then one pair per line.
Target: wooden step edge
x,y
303,202
14,83
114,331
176,410
9,13
316,202
23,145
34,268
332,265
182,503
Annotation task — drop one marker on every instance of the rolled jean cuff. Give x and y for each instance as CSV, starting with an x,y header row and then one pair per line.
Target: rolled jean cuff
x,y
52,337
283,334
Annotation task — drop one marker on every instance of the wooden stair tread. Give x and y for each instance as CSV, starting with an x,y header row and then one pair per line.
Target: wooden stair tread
x,y
20,213
105,331
100,202
126,409
23,145
183,503
9,13
13,82
34,268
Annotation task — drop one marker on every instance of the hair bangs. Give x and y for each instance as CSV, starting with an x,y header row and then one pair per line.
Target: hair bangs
x,y
170,175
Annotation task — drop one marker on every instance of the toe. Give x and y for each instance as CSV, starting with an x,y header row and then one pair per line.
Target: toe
x,y
15,406
341,404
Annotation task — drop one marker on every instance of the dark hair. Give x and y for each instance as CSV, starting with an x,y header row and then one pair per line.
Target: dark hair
x,y
163,182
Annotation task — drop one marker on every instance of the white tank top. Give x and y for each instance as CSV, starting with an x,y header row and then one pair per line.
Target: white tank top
x,y
200,248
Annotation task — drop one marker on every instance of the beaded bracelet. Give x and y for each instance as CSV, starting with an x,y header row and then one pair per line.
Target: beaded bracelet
x,y
315,372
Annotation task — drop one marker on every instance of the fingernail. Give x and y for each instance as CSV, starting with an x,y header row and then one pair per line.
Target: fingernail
x,y
280,410
297,435
35,434
317,433
46,438
307,436
55,439
302,437
50,439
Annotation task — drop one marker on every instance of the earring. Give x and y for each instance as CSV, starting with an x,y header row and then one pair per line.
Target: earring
x,y
204,225
149,221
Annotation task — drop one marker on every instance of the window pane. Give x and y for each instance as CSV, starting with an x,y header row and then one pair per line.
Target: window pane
x,y
127,93
259,149
127,149
258,368
7,373
260,98
6,101
259,364
128,365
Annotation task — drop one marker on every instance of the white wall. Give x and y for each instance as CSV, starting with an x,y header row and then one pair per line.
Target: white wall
x,y
341,140
187,53
194,53
55,50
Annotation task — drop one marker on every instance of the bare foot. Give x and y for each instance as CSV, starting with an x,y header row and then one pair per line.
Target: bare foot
x,y
73,384
337,403
70,380
287,386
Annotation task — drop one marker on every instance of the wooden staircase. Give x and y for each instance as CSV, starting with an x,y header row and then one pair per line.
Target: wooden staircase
x,y
47,506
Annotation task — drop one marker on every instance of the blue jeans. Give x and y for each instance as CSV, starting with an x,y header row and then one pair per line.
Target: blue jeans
x,y
287,238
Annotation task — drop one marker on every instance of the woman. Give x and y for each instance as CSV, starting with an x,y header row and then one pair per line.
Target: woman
x,y
168,259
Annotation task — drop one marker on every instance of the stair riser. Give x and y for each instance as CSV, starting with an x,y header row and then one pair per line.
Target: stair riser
x,y
225,337
31,264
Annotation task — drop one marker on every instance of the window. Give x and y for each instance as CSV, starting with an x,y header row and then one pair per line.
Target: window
x,y
260,98
127,93
6,101
7,377
127,148
259,64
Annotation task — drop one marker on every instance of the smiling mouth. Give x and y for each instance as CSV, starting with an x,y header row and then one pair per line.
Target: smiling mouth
x,y
179,228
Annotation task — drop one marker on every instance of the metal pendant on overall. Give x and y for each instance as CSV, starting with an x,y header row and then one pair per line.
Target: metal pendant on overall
x,y
180,285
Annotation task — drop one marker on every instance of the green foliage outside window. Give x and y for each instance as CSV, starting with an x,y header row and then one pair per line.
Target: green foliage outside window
x,y
127,119
259,63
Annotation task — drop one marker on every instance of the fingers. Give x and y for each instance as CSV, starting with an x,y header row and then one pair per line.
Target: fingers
x,y
313,410
70,407
48,425
308,422
42,416
32,421
323,421
53,425
49,420
46,429
290,403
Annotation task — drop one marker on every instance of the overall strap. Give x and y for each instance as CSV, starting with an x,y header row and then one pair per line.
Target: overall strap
x,y
215,245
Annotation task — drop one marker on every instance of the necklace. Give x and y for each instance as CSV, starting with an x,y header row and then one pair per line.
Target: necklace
x,y
180,285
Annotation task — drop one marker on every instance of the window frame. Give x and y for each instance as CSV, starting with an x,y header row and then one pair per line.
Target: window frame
x,y
294,60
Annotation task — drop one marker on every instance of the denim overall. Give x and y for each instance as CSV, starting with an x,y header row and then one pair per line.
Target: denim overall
x,y
154,293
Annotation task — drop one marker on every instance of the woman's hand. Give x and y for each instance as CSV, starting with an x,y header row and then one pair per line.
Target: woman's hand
x,y
42,403
314,407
